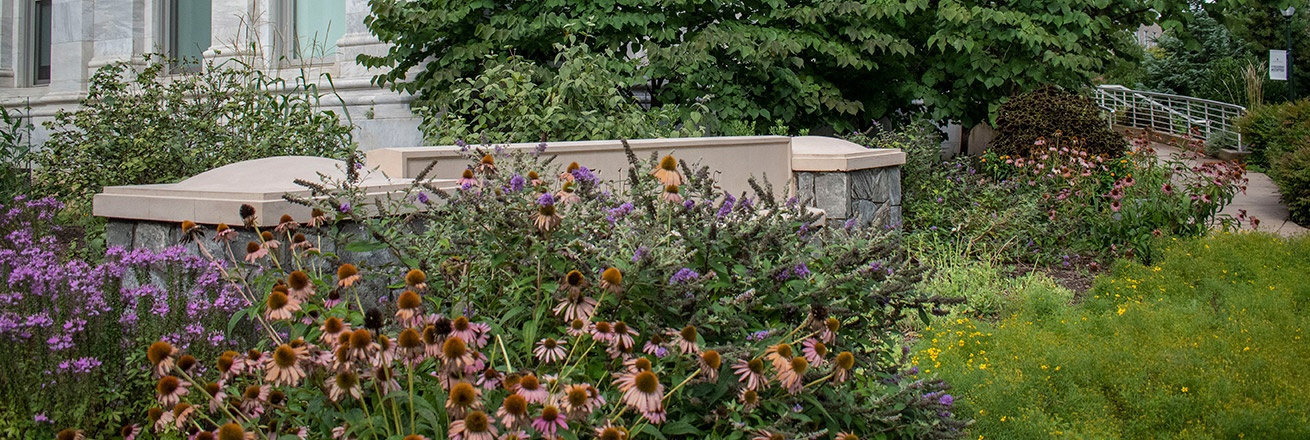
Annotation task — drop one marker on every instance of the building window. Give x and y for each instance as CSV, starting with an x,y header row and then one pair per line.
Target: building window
x,y
188,32
41,33
317,25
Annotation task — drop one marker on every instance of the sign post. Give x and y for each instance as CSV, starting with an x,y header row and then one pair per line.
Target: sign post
x,y
1278,65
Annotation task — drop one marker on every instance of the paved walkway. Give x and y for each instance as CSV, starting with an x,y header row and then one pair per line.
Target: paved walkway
x,y
1261,199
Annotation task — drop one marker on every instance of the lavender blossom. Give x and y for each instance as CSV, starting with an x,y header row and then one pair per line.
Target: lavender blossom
x,y
683,275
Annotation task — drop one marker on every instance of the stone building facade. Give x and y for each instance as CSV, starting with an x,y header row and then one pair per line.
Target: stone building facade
x,y
50,48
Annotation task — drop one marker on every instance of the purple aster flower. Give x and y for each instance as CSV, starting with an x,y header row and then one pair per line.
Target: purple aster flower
x,y
582,174
546,200
517,183
344,208
683,275
946,400
422,197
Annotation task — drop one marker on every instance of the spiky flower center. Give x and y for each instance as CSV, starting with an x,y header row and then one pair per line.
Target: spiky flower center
x,y
756,366
784,350
799,365
167,385
516,405
410,339
533,175
546,210
611,433
656,339
468,174
154,414
549,413
603,327
251,393
577,324
530,383
430,334
846,360
316,213
277,300
463,395
159,351
476,422
246,210
408,300
711,359
298,280
549,344
751,397
461,323
225,363
776,437
284,356
347,380
577,397
67,434
186,362
833,324
820,349
187,226
647,382
574,278
360,339
252,247
298,238
204,435
488,160
180,409
222,227
346,271
671,189
612,276
276,397
688,333
573,166
333,325
212,388
642,364
454,348
669,163
384,342
415,277
620,327
266,236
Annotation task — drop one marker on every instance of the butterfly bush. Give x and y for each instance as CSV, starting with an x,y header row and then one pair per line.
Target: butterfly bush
x,y
71,328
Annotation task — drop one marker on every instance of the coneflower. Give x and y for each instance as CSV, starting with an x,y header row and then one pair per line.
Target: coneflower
x,y
247,213
454,354
169,390
549,350
467,179
317,218
709,363
217,396
384,380
611,432
780,355
766,435
846,436
546,219
791,376
284,366
513,413
535,179
566,195
462,398
251,361
489,379
643,391
286,223
667,172
474,426
412,348
567,175
751,373
362,348
657,416
224,234
70,434
254,252
842,367
637,365
749,399
182,414
160,354
408,307
671,195
280,306
386,351
269,241
187,363
332,329
253,399
654,346
685,339
345,384
224,364
299,287
577,327
623,336
579,400
531,389
487,165
416,279
233,431
347,275
603,332
828,333
333,298
611,280
550,422
191,231
129,432
814,351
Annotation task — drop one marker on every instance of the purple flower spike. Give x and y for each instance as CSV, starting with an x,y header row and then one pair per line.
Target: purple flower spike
x,y
546,200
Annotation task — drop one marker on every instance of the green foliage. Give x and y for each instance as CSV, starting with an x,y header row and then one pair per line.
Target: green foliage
x,y
809,64
1039,113
1291,171
1260,26
15,154
1208,68
1206,344
1270,131
581,95
143,127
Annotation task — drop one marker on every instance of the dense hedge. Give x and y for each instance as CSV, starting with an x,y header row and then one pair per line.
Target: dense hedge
x,y
1038,114
1278,137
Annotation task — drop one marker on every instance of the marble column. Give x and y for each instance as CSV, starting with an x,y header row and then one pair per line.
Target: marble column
x,y
118,32
71,48
10,23
357,40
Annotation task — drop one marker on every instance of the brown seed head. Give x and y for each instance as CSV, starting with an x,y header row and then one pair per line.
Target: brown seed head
x,y
647,382
410,339
668,163
688,333
180,408
776,437
285,219
476,422
415,277
186,362
846,360
347,380
546,210
511,380
849,437
222,227
346,271
212,388
577,397
833,324
267,236
611,433
529,382
516,404
672,189
460,323
298,280
384,342
463,395
488,160
430,334
573,166
799,364
604,327
756,365
333,325
620,327
251,393
284,356
67,434
612,276
549,413
642,364
532,175
204,435
277,300
751,397
187,226
468,173
577,324
252,247
549,344
784,350
408,300
159,351
316,213
254,355
225,363
360,339
574,278
820,349
154,414
298,238
454,348
711,359
167,385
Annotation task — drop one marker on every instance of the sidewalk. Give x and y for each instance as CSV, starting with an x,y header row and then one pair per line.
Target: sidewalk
x,y
1260,199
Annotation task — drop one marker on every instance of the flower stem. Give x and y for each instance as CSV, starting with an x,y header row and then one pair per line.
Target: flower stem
x,y
816,382
684,382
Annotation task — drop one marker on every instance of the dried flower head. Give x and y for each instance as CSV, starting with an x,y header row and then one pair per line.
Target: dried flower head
x,y
416,279
160,354
247,213
667,172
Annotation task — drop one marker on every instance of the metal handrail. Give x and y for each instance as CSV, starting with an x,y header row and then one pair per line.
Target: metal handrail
x,y
1174,114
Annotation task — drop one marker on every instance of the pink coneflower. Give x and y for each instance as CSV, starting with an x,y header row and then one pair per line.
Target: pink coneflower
x,y
482,334
225,363
579,400
603,332
182,414
751,372
611,280
317,218
479,363
549,350
286,223
1167,189
280,306
332,329
515,435
70,434
791,376
549,422
299,287
284,367
253,399
623,336
535,179
531,389
467,179
667,172
546,218
217,396
566,196
671,195
411,348
474,426
169,390
129,432
159,419
577,327
333,298
362,348
250,362
1115,206
709,363
842,367
489,379
828,332
461,328
814,351
636,365
417,280
685,339
347,275
463,397
454,354
654,346
269,241
620,351
657,416
749,399
567,175
643,391
766,435
160,354
846,436
408,306
513,412
487,165
224,234
779,355
345,384
611,432
254,252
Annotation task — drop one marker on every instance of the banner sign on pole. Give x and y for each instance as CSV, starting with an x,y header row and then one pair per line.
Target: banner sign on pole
x,y
1278,65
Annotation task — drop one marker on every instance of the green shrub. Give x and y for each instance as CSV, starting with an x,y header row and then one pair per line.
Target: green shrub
x,y
1292,174
15,154
1206,344
1024,119
143,127
1271,130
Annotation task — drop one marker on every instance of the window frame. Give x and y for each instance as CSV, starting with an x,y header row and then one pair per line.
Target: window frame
x,y
32,46
168,30
289,41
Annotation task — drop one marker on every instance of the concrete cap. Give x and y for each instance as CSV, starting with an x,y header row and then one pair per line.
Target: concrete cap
x,y
215,196
819,153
